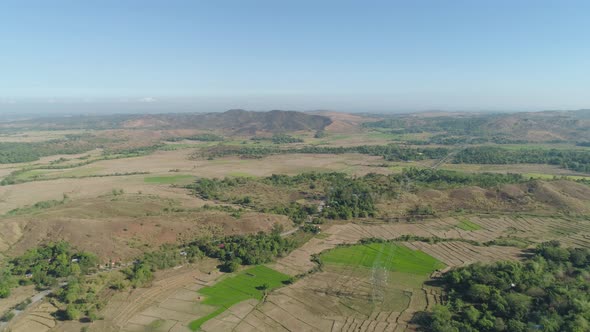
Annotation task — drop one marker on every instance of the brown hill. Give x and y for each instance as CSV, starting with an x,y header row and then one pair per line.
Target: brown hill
x,y
232,121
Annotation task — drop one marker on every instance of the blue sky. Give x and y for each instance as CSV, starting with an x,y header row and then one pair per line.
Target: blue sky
x,y
341,55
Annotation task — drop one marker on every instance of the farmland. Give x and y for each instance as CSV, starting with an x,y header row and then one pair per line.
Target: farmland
x,y
360,215
375,286
252,283
386,256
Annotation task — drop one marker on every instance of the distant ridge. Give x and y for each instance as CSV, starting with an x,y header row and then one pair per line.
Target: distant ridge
x,y
236,121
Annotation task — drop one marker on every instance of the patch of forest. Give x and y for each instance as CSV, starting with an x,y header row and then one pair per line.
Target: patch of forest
x,y
344,197
576,160
548,291
44,266
19,152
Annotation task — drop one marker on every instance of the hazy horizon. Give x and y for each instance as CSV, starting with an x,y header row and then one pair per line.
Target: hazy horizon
x,y
377,56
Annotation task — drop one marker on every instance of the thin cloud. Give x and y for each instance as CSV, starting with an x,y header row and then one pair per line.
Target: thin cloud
x,y
147,100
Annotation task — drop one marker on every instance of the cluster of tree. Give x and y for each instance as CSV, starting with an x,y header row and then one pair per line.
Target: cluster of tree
x,y
442,178
214,188
311,228
389,152
346,197
80,297
279,139
570,159
136,151
246,249
7,282
44,265
19,152
202,137
320,134
546,292
421,210
298,213
349,199
167,256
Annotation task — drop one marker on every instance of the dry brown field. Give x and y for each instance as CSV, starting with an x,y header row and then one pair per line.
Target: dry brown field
x,y
121,227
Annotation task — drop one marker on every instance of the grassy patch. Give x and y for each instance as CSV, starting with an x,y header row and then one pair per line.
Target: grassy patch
x,y
468,225
390,256
245,285
168,179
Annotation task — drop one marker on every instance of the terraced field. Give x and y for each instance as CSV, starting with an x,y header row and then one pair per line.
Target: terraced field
x,y
168,305
374,287
526,229
252,283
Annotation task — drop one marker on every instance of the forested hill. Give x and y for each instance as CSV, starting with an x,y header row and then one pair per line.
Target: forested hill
x,y
235,121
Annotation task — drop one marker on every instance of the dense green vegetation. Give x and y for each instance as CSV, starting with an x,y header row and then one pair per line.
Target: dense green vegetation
x,y
80,297
546,292
251,283
569,159
232,251
18,152
7,282
387,255
44,265
236,250
345,197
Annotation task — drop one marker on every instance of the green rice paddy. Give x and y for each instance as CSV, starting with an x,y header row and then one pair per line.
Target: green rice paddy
x,y
244,285
387,255
468,225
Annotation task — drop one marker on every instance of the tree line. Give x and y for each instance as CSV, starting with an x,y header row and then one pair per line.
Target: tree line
x,y
278,139
390,152
575,160
208,137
